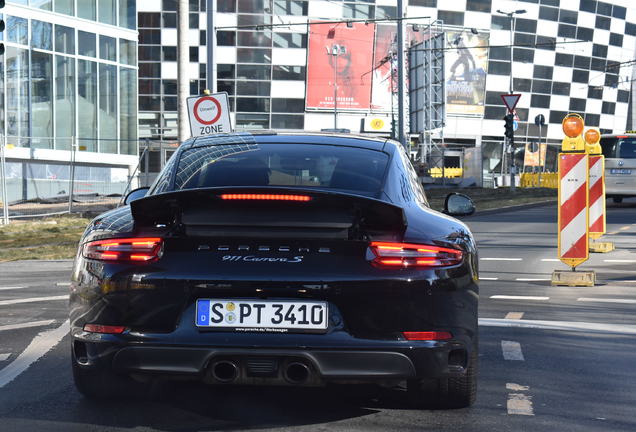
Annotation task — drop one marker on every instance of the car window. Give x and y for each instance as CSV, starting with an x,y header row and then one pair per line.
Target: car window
x,y
304,165
627,149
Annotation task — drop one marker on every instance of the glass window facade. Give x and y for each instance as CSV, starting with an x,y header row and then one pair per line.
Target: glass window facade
x,y
58,82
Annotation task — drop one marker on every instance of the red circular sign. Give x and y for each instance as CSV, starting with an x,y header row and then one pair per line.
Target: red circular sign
x,y
196,110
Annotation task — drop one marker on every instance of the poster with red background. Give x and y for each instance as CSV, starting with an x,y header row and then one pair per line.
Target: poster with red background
x,y
354,66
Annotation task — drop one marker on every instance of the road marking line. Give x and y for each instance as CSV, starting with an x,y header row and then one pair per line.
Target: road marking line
x,y
63,284
26,325
519,404
531,279
559,325
606,300
612,233
550,260
3,357
625,228
6,288
514,315
501,259
512,350
39,346
513,297
488,278
32,300
619,261
516,387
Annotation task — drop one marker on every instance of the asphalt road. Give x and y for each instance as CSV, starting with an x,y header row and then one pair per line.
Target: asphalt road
x,y
551,358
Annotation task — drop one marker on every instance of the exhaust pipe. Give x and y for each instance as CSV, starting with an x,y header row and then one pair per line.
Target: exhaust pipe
x,y
296,373
225,371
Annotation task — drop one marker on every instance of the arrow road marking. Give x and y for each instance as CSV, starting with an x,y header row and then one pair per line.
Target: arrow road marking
x,y
39,346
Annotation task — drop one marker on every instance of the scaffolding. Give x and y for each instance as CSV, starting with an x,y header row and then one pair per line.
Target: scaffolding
x,y
427,89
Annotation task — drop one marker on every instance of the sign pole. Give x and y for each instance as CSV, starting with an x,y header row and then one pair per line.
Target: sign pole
x,y
3,168
211,46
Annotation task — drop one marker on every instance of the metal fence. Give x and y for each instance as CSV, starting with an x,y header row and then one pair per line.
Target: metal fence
x,y
59,183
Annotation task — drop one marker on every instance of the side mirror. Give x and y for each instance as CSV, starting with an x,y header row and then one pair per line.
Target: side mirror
x,y
136,194
457,204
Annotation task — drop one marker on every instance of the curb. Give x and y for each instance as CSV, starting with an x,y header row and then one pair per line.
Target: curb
x,y
512,208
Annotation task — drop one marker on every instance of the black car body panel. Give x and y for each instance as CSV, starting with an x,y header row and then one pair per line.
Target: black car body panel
x,y
286,251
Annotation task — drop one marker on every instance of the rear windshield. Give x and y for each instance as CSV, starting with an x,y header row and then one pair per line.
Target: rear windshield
x,y
623,148
303,165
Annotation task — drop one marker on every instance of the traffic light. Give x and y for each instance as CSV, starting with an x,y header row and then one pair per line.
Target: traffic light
x,y
1,28
510,132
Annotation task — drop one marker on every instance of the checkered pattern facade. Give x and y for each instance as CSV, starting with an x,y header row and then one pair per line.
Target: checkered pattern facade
x,y
264,71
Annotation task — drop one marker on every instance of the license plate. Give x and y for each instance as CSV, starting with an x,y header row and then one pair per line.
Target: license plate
x,y
620,171
262,315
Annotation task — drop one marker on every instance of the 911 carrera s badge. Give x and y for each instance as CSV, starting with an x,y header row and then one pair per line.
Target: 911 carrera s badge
x,y
252,258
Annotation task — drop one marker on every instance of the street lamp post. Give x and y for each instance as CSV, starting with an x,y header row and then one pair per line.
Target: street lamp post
x,y
511,15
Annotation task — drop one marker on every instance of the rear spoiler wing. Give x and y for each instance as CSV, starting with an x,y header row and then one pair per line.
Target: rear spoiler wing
x,y
207,211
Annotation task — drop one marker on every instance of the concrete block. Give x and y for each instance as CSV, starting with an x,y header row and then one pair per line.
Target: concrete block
x,y
601,247
573,278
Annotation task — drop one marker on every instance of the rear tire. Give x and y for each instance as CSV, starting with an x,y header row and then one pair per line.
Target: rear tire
x,y
455,392
98,383
617,200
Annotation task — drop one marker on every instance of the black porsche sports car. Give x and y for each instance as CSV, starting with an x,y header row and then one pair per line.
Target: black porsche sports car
x,y
279,259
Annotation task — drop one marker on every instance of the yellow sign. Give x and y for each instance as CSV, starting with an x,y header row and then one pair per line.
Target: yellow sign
x,y
377,124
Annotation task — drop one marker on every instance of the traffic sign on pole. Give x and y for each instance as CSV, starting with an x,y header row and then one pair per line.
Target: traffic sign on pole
x,y
510,100
209,114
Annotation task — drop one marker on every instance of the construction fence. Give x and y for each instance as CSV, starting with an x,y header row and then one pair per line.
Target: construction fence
x,y
61,184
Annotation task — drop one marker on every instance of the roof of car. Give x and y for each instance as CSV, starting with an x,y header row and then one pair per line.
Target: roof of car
x,y
350,140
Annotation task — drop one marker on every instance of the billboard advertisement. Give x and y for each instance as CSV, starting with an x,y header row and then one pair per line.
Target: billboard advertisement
x,y
384,67
343,56
466,67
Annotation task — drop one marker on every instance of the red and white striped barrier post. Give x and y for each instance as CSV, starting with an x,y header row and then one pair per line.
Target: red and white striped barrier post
x,y
573,220
597,192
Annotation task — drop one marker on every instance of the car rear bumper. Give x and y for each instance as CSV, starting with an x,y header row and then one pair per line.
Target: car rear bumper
x,y
270,365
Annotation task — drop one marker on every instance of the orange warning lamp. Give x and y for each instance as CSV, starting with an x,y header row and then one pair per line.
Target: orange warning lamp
x,y
592,138
573,126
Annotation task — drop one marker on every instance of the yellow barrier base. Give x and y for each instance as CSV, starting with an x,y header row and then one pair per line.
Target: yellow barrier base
x,y
573,278
601,247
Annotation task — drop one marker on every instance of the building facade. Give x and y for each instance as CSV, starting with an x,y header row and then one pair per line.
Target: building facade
x,y
568,56
69,76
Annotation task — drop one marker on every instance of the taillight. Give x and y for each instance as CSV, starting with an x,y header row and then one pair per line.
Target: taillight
x,y
124,249
401,255
265,197
427,335
98,328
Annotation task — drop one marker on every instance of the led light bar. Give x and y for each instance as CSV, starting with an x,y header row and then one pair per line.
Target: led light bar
x,y
266,197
